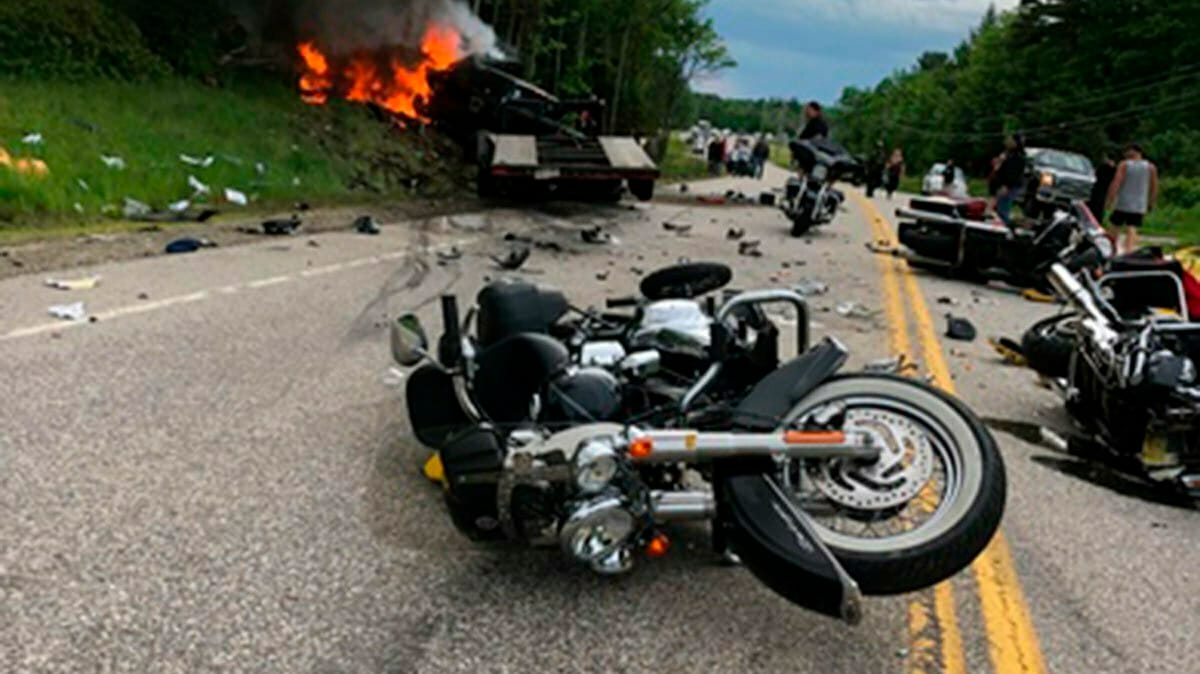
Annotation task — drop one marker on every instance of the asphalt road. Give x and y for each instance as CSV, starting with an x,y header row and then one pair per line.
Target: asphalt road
x,y
216,475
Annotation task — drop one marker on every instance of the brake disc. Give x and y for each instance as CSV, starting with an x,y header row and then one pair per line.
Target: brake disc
x,y
905,464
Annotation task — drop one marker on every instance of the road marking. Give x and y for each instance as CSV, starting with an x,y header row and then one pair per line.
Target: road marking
x,y
146,307
1013,644
924,635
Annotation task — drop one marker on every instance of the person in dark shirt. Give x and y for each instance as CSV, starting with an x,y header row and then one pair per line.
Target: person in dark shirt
x,y
949,177
1010,178
716,155
894,172
1104,178
762,153
815,127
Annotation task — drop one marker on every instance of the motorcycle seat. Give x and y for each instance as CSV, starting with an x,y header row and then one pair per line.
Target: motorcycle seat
x,y
510,308
512,371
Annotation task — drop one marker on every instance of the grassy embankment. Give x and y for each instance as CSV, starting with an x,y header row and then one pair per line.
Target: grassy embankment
x,y
680,164
263,140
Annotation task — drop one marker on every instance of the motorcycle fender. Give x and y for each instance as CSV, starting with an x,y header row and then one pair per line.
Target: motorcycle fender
x,y
433,408
777,549
769,404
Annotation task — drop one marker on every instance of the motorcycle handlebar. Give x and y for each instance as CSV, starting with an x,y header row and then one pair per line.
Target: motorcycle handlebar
x,y
1067,286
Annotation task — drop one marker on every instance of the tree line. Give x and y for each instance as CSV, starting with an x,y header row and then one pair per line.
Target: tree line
x,y
1085,75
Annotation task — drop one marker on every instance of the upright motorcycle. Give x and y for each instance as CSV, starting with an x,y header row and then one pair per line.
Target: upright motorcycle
x,y
593,432
1131,382
811,199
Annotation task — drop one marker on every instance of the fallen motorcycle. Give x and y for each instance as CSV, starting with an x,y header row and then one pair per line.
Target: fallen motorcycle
x,y
811,199
953,237
1131,382
575,434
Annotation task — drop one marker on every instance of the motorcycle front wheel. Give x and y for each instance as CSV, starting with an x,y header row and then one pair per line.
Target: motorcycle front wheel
x,y
802,220
921,512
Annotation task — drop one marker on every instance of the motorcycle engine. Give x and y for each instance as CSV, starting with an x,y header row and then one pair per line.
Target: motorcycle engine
x,y
677,327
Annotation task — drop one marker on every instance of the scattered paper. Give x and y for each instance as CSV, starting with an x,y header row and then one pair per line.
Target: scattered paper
x,y
78,207
33,139
69,312
180,206
113,162
260,168
83,185
134,208
196,161
235,197
86,283
199,187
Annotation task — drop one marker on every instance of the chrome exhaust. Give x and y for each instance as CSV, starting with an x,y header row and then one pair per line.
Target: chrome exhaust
x,y
687,506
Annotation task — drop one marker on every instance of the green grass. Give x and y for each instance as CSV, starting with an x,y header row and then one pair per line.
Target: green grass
x,y
680,164
319,155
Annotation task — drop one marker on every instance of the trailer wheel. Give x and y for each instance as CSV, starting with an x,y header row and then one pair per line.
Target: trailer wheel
x,y
642,189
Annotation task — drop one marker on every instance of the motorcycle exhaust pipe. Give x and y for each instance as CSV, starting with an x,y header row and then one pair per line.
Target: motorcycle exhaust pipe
x,y
695,447
688,506
1066,285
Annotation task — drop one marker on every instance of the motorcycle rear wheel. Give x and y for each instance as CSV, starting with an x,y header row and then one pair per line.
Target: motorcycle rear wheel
x,y
964,509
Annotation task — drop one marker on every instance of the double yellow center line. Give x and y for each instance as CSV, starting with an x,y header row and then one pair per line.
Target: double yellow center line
x,y
936,642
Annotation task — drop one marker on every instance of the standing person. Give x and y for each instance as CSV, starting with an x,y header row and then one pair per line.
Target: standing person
x,y
816,127
875,164
1133,194
949,177
716,155
894,172
762,154
1104,178
1010,178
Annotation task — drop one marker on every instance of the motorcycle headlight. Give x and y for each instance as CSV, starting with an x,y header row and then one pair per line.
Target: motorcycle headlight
x,y
1047,180
597,530
596,465
820,172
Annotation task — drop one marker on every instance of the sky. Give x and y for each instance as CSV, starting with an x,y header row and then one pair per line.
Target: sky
x,y
810,49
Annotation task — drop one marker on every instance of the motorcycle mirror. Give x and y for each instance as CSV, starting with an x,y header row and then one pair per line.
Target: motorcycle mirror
x,y
409,343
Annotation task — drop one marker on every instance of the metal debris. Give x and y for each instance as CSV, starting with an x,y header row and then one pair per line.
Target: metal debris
x,y
367,225
516,257
282,227
69,312
853,310
811,287
85,283
236,197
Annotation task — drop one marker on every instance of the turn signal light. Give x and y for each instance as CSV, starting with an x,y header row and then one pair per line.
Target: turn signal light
x,y
814,437
641,448
658,546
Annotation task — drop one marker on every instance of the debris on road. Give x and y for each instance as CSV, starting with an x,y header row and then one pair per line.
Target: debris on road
x,y
602,276
313,243
595,235
469,222
1009,350
282,227
900,365
960,329
113,162
188,245
811,287
678,229
853,310
143,296
514,260
69,312
196,161
367,224
766,199
947,300
1038,296
236,197
750,248
683,188
735,234
301,206
86,283
451,255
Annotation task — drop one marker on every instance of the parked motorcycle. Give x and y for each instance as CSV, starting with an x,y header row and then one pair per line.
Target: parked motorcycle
x,y
1131,382
953,237
592,431
811,199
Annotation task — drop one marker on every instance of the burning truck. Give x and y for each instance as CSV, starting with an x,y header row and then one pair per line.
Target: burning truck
x,y
525,141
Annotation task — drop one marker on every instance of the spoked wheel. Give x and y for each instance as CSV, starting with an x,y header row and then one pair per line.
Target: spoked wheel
x,y
920,512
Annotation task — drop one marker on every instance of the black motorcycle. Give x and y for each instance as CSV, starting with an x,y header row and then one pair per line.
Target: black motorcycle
x,y
591,431
953,238
1131,382
811,199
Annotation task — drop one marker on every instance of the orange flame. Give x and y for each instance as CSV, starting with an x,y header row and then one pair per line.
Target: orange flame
x,y
361,78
